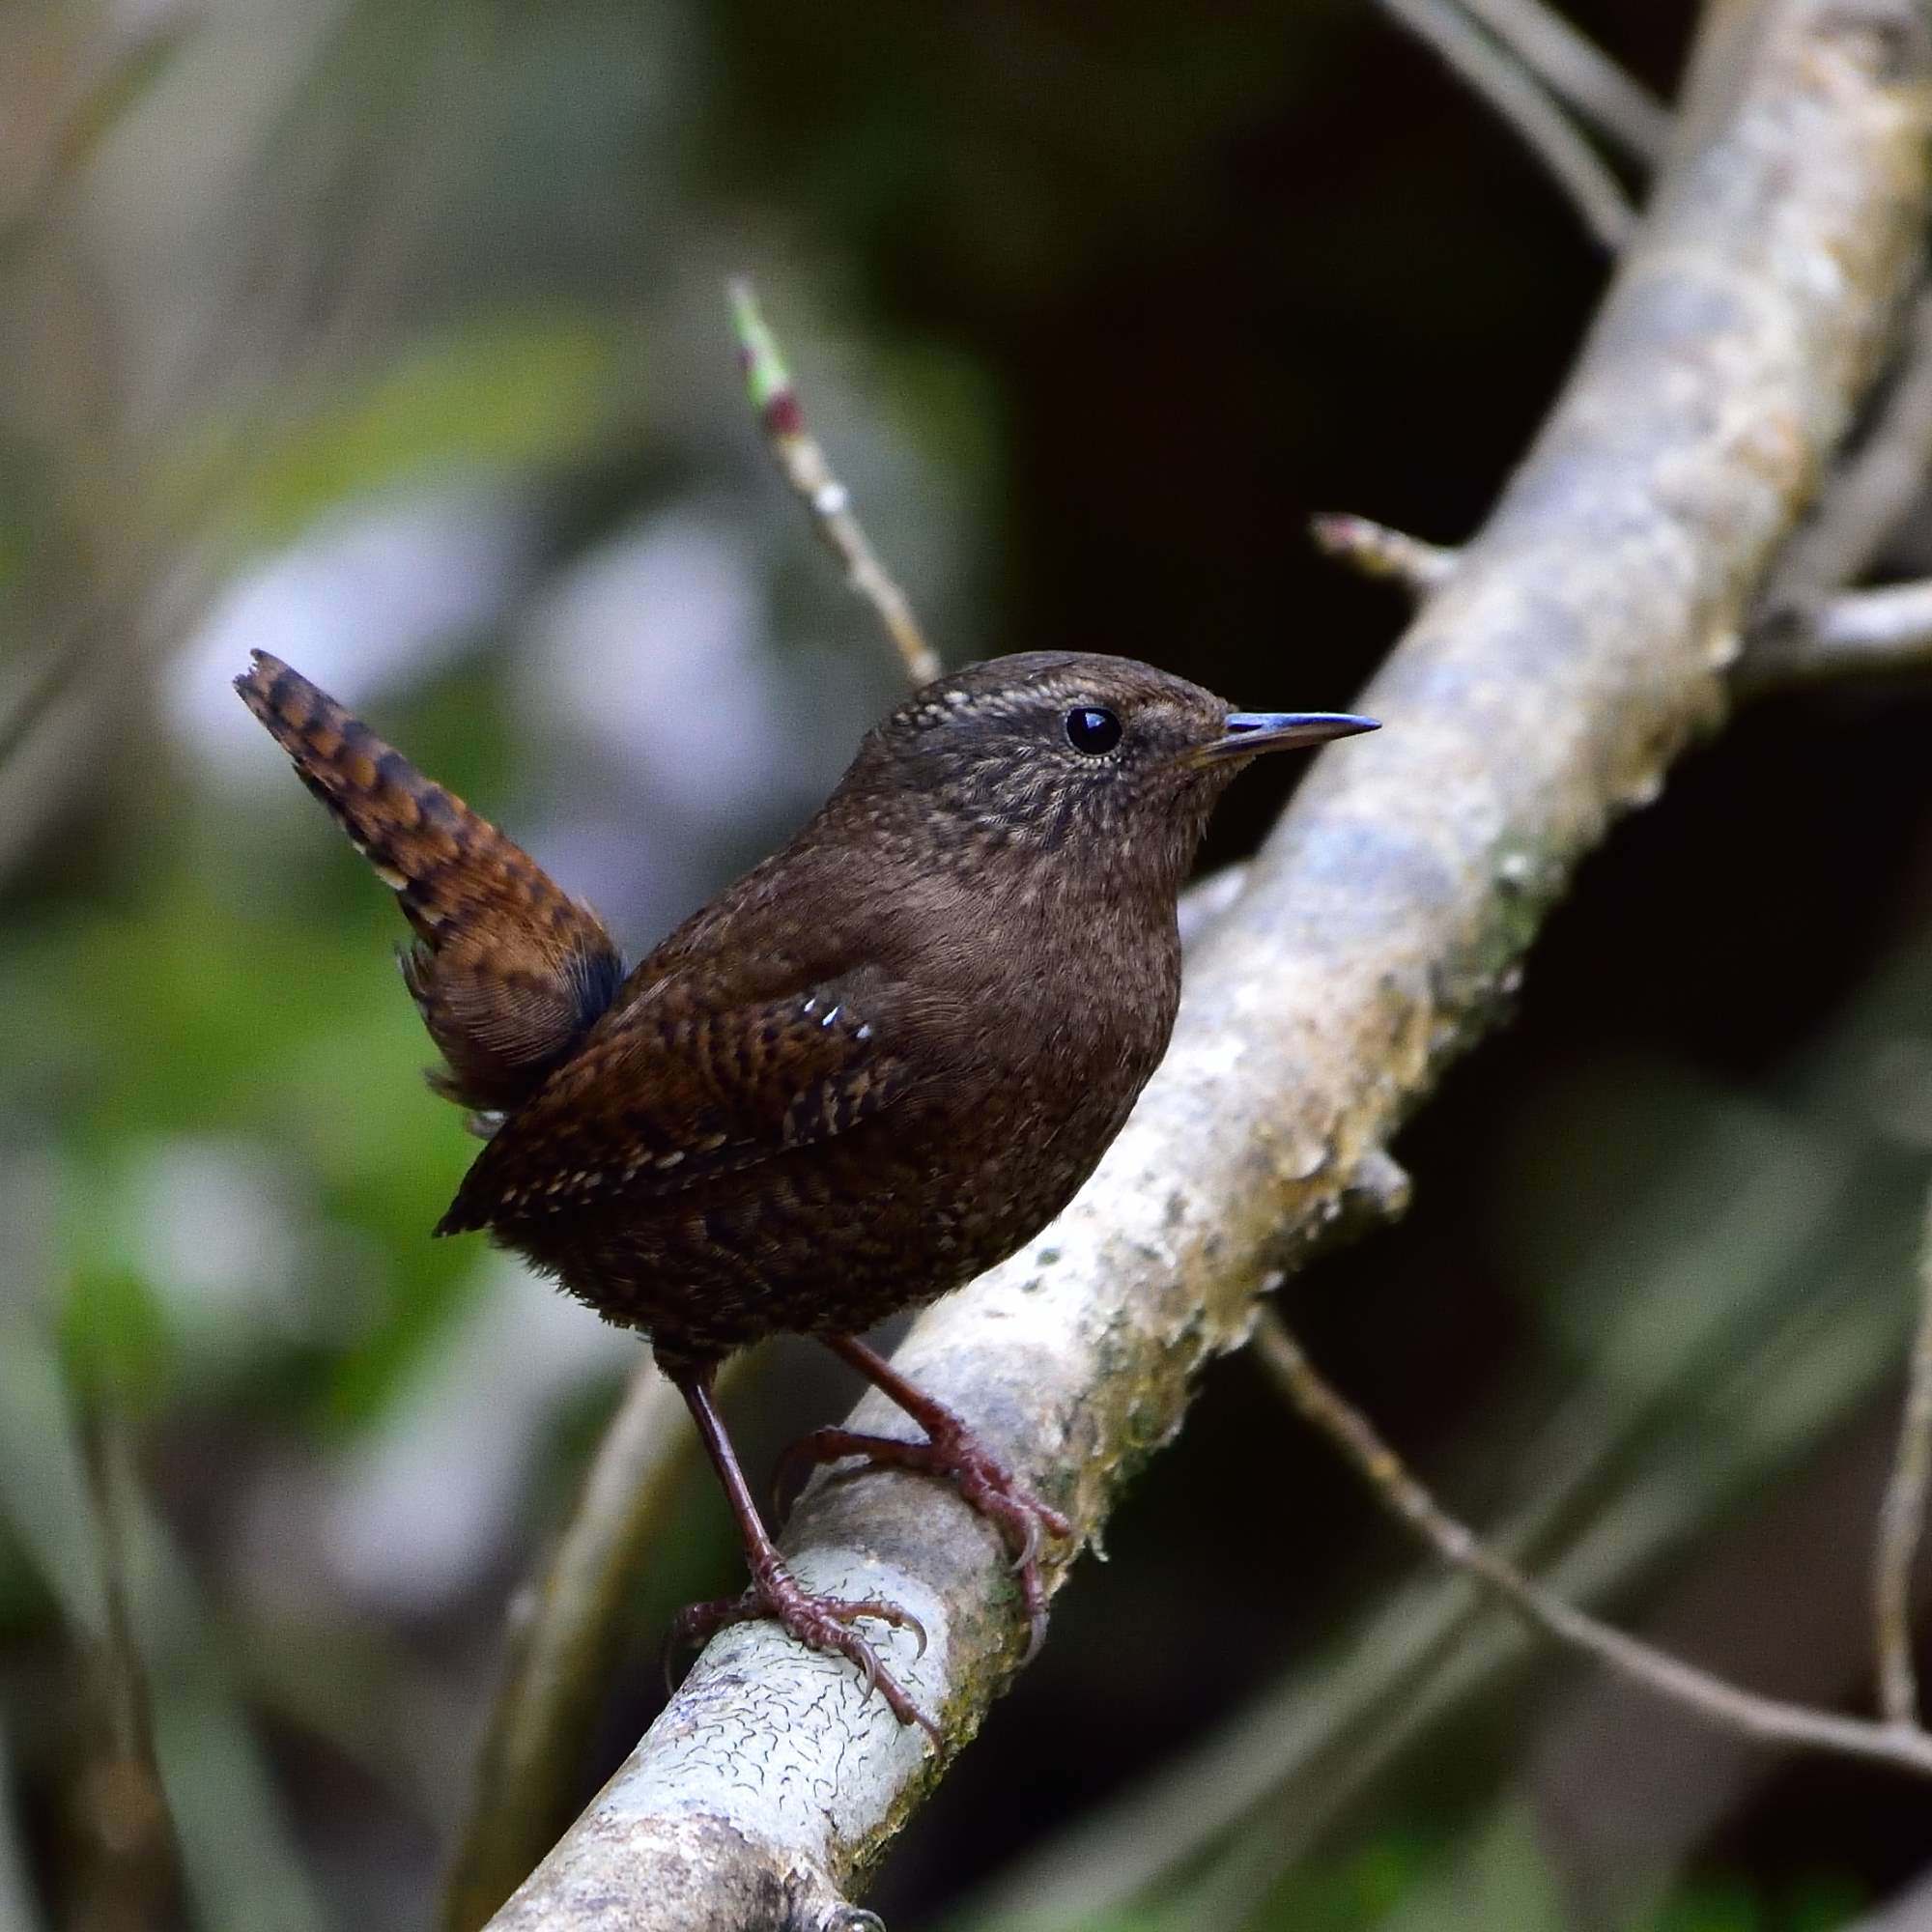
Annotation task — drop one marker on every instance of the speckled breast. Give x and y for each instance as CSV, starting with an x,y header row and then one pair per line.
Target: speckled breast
x,y
836,1236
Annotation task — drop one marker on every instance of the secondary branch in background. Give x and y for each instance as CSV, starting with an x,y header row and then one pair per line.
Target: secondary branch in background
x,y
1867,496
804,467
1579,73
1855,633
1769,1720
1377,549
1902,1519
1499,75
1860,634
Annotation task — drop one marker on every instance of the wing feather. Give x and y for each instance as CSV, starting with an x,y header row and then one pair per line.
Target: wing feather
x,y
676,1089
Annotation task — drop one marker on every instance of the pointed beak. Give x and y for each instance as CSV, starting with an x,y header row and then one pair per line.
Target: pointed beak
x,y
1246,734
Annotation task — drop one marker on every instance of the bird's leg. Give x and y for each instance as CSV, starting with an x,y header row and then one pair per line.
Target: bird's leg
x,y
952,1450
820,1622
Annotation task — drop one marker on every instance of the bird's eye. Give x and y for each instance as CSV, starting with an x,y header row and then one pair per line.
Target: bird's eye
x,y
1092,730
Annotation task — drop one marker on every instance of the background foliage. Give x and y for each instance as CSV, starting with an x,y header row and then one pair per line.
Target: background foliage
x,y
392,340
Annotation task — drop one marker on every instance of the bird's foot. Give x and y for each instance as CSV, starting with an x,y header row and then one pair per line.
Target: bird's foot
x,y
954,1453
819,1623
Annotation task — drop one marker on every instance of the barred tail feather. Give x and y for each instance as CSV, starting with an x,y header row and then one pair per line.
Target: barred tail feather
x,y
509,971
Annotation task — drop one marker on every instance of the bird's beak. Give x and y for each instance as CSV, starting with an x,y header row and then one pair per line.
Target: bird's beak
x,y
1246,734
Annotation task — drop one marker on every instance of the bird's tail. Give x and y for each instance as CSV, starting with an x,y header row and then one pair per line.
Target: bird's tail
x,y
509,971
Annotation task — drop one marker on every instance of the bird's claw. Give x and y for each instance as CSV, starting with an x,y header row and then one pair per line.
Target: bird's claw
x,y
819,1623
1028,1554
985,1483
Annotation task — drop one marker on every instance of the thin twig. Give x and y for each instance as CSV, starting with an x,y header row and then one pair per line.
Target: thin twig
x,y
1864,501
1377,549
1885,629
1769,1720
1856,634
1901,1519
110,614
1277,1774
130,48
1579,73
803,464
1496,73
1860,634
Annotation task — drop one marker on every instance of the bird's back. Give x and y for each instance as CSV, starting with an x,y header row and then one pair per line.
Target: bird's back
x,y
850,1083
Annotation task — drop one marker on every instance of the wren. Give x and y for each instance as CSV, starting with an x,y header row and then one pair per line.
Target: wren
x,y
875,1065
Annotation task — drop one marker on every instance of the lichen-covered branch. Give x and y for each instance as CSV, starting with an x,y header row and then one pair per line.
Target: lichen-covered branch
x,y
1580,644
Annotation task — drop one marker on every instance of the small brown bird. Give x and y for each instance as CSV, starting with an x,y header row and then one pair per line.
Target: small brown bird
x,y
878,1064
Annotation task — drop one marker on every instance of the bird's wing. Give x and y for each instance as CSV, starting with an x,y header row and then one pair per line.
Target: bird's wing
x,y
679,1086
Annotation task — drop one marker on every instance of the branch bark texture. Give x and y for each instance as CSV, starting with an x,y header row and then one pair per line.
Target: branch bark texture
x,y
1580,646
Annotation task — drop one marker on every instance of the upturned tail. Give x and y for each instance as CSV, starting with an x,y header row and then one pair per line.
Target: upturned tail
x,y
509,971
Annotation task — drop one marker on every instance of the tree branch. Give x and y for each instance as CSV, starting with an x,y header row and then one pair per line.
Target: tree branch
x,y
1898,1743
1579,73
1860,634
1494,72
1578,647
1377,549
1855,633
1871,491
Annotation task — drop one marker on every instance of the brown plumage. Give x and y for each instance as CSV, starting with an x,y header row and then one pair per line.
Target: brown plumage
x,y
509,971
873,1067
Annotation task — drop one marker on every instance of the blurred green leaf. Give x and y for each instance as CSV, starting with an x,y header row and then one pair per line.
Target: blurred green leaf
x,y
114,1338
269,1018
1503,1878
44,1492
243,1864
1738,1906
503,394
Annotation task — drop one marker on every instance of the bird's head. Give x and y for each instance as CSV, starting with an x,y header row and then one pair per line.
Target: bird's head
x,y
1072,756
